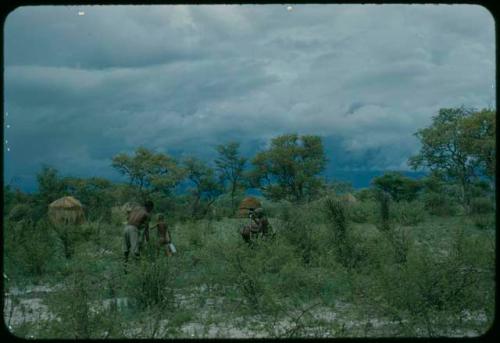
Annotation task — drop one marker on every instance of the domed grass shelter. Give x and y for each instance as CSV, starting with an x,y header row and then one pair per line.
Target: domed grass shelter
x,y
66,210
349,198
247,204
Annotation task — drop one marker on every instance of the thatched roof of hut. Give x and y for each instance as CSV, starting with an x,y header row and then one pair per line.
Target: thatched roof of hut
x,y
349,198
247,204
67,202
66,210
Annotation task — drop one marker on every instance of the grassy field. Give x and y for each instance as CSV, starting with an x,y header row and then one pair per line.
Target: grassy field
x,y
320,276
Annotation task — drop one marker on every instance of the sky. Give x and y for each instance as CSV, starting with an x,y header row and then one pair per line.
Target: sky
x,y
84,83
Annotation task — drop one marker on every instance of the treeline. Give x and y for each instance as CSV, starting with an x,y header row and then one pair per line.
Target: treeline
x,y
458,150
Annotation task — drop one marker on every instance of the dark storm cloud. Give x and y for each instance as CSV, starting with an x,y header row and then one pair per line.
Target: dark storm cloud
x,y
182,79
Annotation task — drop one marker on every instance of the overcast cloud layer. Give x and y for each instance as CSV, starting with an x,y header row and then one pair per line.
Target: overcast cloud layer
x,y
181,79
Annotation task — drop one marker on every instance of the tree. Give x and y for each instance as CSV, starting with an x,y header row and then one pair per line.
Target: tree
x,y
289,168
230,168
50,185
148,171
479,130
398,186
206,188
451,147
94,193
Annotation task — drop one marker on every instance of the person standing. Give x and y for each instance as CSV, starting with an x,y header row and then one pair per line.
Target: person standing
x,y
164,238
258,225
136,230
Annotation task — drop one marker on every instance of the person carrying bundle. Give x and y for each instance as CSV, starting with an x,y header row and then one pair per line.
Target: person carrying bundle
x,y
258,225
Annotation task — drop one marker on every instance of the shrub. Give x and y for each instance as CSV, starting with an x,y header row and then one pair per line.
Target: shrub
x,y
79,309
439,204
430,292
481,205
366,194
20,212
408,212
484,221
363,211
345,250
31,249
68,236
149,283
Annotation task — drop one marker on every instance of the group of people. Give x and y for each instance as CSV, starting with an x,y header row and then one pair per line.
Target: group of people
x,y
137,228
137,231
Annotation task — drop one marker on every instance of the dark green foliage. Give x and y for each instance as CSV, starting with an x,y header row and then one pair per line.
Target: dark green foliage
x,y
481,205
28,248
398,186
20,212
149,172
83,312
439,204
408,212
459,146
433,290
68,236
364,211
342,240
384,201
290,168
205,188
50,185
230,168
94,194
149,283
484,221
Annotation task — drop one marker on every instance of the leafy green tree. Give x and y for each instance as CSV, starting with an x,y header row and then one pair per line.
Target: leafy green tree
x,y
50,188
230,166
451,147
50,185
149,171
398,186
480,129
206,188
290,168
93,193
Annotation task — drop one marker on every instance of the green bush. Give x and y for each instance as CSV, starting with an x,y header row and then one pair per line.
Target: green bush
x,y
484,221
439,204
28,248
408,212
150,283
20,212
342,238
79,305
482,205
363,211
429,293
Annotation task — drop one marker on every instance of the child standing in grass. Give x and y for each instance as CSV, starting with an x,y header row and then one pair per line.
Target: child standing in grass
x,y
163,235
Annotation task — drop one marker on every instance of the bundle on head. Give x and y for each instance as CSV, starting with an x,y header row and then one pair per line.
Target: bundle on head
x,y
248,204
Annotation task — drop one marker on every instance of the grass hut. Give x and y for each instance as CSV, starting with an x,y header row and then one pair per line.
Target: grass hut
x,y
247,204
349,198
66,210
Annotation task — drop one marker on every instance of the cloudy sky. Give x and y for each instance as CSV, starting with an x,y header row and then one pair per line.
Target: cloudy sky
x,y
85,83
